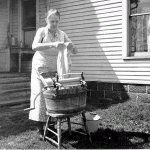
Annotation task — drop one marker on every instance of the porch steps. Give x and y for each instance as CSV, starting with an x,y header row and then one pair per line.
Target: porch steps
x,y
14,88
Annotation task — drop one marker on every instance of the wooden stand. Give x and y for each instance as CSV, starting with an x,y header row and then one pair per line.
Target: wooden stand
x,y
59,118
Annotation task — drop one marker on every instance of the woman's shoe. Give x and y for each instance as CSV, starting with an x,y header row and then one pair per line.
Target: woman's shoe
x,y
40,134
40,129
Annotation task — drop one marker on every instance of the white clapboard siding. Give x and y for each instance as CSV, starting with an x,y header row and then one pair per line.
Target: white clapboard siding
x,y
90,32
3,24
98,14
107,38
100,53
113,63
109,68
118,73
97,49
66,5
95,27
4,51
101,45
114,76
42,12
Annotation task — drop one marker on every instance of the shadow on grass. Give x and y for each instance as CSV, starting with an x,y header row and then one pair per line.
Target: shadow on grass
x,y
13,123
103,103
106,139
114,93
93,104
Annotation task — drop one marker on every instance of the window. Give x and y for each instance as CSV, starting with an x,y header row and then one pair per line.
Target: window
x,y
29,14
29,22
138,32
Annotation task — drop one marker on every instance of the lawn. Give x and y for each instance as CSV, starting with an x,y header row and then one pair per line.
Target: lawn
x,y
123,126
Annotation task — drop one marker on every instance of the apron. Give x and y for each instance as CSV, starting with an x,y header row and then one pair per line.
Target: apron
x,y
48,60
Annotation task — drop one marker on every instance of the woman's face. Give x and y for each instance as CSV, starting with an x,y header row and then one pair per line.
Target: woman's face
x,y
52,22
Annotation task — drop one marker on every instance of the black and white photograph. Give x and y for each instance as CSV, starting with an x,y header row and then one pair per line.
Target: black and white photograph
x,y
74,74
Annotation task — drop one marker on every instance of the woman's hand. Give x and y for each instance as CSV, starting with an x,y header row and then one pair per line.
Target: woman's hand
x,y
60,45
75,50
69,45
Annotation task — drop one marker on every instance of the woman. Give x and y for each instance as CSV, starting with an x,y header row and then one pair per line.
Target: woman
x,y
52,48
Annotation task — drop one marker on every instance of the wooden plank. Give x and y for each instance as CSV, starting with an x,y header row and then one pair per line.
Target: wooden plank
x,y
89,25
103,57
132,64
87,78
105,38
109,68
95,41
100,53
116,73
103,0
114,76
96,45
97,49
113,63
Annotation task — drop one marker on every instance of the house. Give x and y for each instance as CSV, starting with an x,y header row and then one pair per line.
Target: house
x,y
112,37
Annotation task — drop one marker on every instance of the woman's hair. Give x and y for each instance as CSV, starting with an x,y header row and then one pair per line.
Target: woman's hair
x,y
52,11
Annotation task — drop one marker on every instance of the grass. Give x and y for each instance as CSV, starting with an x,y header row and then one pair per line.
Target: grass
x,y
123,126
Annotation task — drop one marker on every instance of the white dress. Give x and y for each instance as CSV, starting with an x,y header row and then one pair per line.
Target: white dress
x,y
48,60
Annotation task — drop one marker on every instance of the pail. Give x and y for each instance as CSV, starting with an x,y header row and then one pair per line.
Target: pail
x,y
92,122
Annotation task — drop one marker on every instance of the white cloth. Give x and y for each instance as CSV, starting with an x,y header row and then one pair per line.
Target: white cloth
x,y
63,63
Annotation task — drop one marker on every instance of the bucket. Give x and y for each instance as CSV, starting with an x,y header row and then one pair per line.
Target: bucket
x,y
92,122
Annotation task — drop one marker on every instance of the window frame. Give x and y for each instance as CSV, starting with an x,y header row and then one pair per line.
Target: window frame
x,y
126,39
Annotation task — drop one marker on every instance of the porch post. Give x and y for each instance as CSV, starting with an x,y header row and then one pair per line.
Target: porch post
x,y
8,33
20,32
125,27
37,14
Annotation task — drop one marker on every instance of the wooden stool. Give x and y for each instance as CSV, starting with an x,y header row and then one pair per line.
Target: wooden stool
x,y
59,118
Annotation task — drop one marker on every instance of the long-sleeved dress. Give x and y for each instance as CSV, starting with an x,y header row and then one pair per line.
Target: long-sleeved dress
x,y
52,60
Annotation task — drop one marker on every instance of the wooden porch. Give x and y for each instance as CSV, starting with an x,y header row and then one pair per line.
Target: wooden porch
x,y
15,88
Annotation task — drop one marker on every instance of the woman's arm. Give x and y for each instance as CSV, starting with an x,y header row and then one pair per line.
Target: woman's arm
x,y
70,45
37,44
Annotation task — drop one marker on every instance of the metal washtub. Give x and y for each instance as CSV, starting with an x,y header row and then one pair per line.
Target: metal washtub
x,y
64,95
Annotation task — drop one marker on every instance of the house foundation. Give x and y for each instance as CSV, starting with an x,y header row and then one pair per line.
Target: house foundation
x,y
118,92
